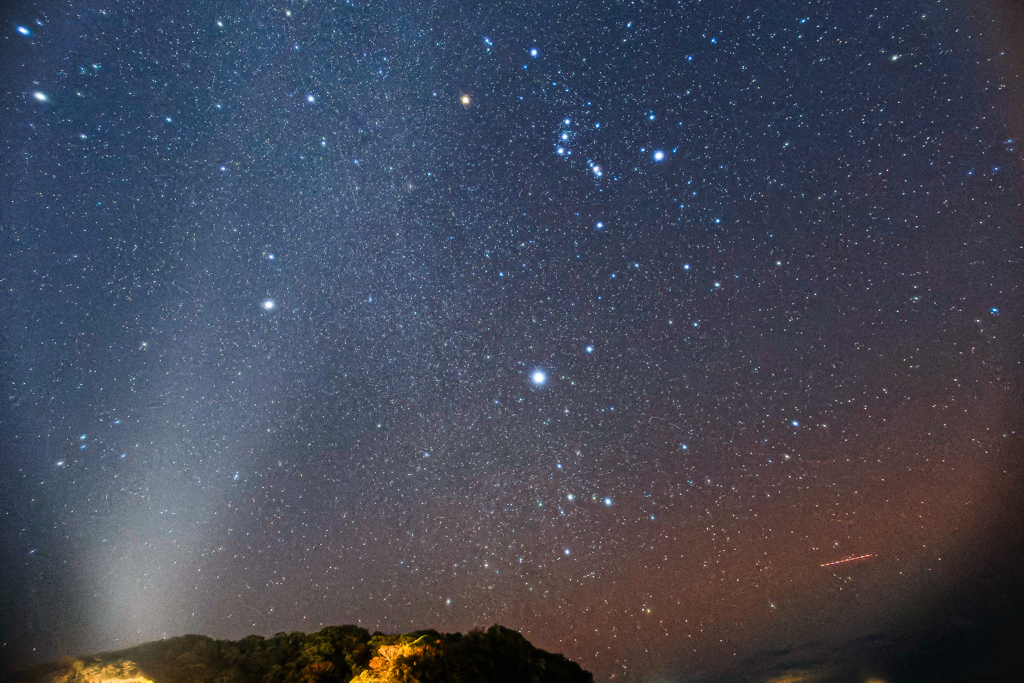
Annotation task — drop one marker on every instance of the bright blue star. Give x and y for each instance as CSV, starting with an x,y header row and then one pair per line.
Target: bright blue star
x,y
269,305
538,377
608,502
534,52
23,30
659,155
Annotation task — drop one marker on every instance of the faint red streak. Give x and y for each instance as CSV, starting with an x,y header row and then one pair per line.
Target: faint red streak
x,y
849,559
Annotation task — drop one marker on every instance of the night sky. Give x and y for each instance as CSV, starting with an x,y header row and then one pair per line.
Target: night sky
x,y
611,322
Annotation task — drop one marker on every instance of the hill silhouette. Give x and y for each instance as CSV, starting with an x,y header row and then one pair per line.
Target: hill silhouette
x,y
336,654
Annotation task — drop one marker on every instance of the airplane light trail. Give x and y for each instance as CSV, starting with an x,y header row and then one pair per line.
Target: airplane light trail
x,y
849,559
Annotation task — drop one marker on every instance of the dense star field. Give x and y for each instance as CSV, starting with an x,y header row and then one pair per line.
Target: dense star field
x,y
609,322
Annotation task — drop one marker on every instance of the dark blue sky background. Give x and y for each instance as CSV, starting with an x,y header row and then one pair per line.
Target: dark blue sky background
x,y
609,322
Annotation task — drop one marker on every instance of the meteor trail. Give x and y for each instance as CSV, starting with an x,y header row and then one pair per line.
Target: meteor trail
x,y
849,559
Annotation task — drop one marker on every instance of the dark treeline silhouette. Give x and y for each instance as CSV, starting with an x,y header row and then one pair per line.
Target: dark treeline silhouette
x,y
336,654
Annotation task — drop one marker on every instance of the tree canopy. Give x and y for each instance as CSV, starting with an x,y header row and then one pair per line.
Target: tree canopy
x,y
336,654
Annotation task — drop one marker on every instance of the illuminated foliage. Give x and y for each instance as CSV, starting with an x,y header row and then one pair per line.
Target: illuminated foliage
x,y
115,672
337,654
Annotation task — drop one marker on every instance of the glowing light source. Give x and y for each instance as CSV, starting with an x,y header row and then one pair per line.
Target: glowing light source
x,y
538,377
465,100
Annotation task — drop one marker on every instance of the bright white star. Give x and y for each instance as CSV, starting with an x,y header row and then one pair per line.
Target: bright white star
x,y
539,377
269,305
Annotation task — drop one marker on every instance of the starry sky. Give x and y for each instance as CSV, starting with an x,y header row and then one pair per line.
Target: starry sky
x,y
611,322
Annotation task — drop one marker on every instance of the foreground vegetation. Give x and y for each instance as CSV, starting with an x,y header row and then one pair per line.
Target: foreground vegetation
x,y
337,654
